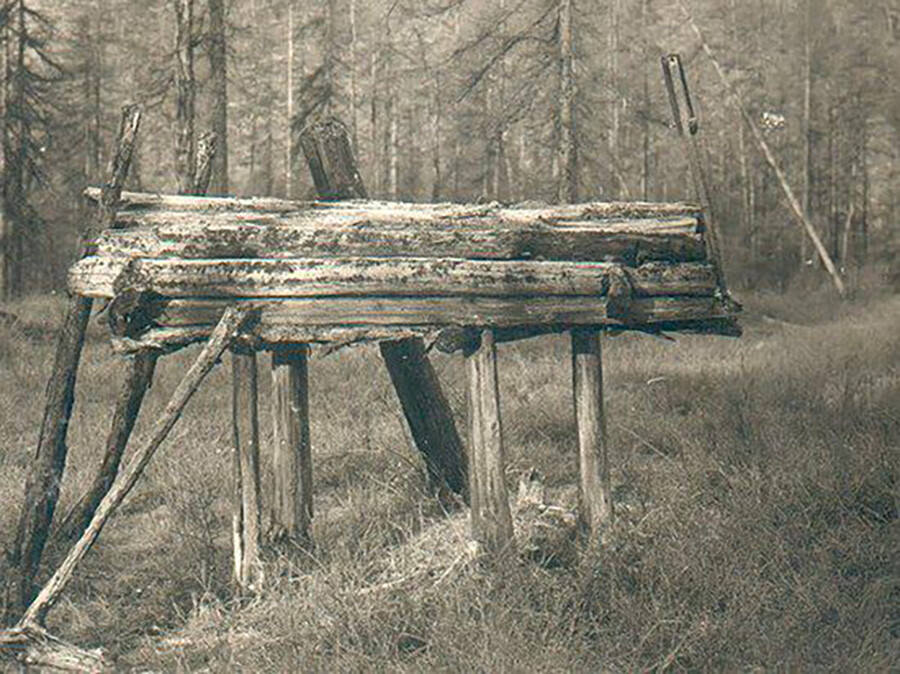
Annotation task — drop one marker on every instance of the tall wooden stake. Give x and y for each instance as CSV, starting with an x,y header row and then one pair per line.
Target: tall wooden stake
x,y
140,369
796,209
330,158
46,470
491,517
593,457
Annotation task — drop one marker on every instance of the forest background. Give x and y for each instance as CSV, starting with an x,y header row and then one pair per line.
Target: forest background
x,y
456,100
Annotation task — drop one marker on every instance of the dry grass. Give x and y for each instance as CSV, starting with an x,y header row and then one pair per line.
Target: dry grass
x,y
756,482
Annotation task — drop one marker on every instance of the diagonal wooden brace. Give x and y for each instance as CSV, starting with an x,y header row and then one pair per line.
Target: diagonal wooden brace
x,y
326,146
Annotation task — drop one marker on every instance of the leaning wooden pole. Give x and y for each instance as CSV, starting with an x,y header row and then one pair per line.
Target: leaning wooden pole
x,y
223,335
139,375
326,146
770,158
46,470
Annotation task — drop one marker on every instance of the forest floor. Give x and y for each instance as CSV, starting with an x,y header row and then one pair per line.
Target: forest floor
x,y
756,481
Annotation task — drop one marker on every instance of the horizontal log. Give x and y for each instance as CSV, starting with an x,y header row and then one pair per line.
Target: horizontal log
x,y
131,202
281,319
352,233
262,278
349,320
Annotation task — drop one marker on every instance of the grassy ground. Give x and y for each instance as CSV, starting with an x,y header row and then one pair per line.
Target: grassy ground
x,y
756,482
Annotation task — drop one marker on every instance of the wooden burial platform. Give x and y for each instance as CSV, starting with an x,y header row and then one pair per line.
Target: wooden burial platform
x,y
270,274
461,276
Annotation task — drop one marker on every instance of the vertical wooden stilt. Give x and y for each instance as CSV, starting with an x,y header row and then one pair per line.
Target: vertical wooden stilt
x,y
593,459
245,514
292,499
491,517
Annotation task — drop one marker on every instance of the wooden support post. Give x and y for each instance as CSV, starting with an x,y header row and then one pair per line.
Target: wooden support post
x,y
292,498
593,457
140,369
224,333
326,146
427,412
491,517
46,470
245,513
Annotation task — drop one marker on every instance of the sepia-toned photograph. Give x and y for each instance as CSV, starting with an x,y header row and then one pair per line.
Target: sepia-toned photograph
x,y
449,336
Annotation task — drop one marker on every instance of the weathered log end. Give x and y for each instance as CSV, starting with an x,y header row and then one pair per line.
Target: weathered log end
x,y
326,146
29,645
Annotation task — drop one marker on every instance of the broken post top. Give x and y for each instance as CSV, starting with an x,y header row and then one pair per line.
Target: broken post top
x,y
343,271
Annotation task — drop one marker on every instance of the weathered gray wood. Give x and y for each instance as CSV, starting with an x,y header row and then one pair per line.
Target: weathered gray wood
x,y
292,497
429,416
32,646
143,202
46,470
445,339
221,337
326,146
491,517
246,511
280,317
593,453
361,230
108,277
138,378
330,159
139,375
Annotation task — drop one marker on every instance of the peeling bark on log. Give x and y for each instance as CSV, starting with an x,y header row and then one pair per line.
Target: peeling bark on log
x,y
46,470
447,340
32,646
221,336
351,232
302,320
133,203
380,277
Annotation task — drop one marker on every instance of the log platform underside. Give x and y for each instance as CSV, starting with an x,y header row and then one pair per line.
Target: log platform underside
x,y
337,273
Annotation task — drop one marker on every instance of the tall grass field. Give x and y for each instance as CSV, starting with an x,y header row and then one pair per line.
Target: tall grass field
x,y
755,485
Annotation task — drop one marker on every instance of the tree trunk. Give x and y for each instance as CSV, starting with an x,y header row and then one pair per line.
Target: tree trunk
x,y
289,106
567,191
218,71
807,126
184,95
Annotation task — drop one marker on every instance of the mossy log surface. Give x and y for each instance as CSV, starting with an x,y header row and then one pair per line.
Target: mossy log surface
x,y
368,270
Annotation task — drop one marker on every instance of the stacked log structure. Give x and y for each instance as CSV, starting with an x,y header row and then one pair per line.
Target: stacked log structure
x,y
368,270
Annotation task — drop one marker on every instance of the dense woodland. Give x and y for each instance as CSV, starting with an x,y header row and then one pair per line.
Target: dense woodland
x,y
464,100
